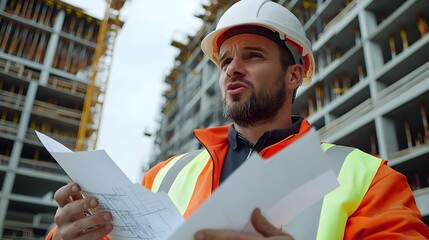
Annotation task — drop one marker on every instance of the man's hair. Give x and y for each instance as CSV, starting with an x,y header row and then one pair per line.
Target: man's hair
x,y
286,60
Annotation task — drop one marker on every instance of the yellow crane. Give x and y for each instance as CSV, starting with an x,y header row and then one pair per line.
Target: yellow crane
x,y
100,71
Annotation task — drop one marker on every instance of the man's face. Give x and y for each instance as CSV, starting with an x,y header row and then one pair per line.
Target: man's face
x,y
252,80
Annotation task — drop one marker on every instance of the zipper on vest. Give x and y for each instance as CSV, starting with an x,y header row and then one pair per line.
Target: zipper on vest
x,y
250,153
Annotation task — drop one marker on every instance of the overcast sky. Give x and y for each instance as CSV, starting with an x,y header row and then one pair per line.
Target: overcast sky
x,y
142,58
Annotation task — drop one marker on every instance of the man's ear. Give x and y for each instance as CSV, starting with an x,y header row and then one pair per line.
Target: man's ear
x,y
295,76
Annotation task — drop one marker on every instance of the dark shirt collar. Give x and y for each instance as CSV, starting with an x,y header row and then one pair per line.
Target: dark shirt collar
x,y
268,138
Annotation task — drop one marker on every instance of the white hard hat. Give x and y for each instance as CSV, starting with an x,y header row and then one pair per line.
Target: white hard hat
x,y
272,16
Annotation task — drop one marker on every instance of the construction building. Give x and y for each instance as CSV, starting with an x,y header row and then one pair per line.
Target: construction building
x,y
370,90
54,58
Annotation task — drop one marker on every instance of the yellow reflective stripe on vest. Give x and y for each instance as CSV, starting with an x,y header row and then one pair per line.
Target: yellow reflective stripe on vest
x,y
183,186
326,146
355,177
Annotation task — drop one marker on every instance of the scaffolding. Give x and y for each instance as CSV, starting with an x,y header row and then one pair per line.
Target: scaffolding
x,y
47,51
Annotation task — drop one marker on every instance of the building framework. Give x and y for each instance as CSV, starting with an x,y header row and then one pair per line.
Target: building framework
x,y
48,51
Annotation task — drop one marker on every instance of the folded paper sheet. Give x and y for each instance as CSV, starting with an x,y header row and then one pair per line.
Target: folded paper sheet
x,y
137,212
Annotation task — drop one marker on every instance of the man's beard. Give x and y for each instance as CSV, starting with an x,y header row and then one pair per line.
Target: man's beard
x,y
260,108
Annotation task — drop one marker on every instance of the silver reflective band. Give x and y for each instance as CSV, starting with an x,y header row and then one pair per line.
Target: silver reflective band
x,y
172,173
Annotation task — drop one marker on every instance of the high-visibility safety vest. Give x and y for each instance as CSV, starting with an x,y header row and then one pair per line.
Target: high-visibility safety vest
x,y
324,220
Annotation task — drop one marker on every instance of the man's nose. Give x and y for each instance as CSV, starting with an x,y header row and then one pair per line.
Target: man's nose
x,y
235,68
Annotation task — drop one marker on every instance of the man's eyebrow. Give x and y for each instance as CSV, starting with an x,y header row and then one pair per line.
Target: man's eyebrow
x,y
254,48
222,55
246,48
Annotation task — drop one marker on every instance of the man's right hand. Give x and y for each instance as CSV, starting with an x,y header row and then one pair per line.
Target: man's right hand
x,y
71,221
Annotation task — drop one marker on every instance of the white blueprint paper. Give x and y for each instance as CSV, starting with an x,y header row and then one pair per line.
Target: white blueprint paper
x,y
137,212
282,187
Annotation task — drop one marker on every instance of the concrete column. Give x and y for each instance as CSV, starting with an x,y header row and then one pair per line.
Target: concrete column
x,y
2,5
385,129
51,48
372,51
386,136
9,178
16,151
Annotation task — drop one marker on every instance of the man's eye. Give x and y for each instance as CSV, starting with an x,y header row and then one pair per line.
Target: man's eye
x,y
225,63
255,55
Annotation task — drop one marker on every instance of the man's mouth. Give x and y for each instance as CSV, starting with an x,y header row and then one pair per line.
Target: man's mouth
x,y
236,88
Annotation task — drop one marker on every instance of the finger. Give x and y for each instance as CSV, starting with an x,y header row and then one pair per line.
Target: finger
x,y
76,208
263,226
78,196
97,233
63,195
93,225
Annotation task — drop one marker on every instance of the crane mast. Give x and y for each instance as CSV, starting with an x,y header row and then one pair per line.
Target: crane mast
x,y
100,71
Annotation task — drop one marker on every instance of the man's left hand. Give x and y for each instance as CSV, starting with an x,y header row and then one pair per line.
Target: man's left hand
x,y
261,225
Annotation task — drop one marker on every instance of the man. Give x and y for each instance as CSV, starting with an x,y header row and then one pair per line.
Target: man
x,y
264,56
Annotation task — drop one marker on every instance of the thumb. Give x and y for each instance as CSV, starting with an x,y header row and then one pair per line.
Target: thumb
x,y
263,226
